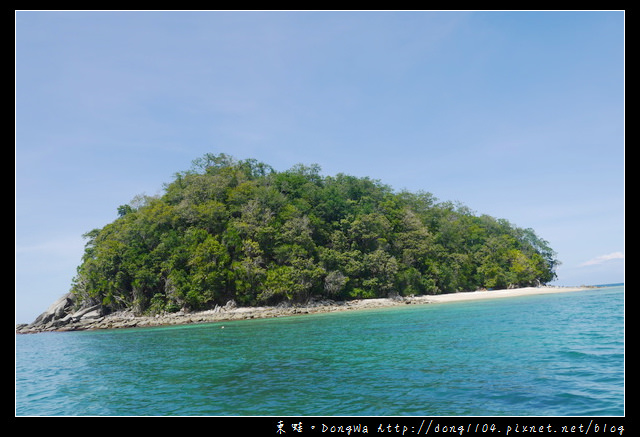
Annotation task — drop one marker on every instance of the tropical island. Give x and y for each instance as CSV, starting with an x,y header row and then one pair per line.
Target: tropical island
x,y
237,234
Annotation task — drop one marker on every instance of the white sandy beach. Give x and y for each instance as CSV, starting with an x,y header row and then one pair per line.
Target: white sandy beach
x,y
496,294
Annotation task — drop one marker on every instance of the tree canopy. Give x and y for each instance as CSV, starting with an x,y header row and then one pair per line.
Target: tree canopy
x,y
231,229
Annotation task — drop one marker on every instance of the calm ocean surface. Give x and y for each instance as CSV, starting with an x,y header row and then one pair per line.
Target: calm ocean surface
x,y
548,355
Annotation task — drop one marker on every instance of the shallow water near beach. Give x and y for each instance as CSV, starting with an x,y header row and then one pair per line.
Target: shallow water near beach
x,y
545,355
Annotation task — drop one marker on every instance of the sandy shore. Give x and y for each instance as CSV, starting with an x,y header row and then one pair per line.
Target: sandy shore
x,y
230,312
495,294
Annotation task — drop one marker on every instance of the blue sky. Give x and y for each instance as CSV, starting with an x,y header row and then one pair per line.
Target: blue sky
x,y
519,115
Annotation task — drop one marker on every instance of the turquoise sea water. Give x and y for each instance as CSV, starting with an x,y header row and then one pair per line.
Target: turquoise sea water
x,y
547,355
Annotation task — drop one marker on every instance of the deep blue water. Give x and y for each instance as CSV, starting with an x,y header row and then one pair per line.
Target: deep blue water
x,y
546,355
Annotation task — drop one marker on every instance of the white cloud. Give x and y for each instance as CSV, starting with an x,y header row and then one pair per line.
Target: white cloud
x,y
603,258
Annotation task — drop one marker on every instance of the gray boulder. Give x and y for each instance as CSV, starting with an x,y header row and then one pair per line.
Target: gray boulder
x,y
93,312
57,310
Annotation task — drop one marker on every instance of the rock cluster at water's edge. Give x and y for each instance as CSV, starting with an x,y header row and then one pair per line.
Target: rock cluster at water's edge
x,y
61,313
64,314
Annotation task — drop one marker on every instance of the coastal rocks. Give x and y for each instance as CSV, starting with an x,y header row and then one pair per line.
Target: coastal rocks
x,y
85,314
63,315
56,310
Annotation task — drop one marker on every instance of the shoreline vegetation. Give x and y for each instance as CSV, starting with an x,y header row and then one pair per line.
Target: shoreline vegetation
x,y
229,312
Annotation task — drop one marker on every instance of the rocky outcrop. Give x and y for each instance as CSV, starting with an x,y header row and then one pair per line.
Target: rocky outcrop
x,y
63,313
56,310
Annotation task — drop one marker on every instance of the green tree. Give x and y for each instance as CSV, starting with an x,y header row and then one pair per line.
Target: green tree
x,y
238,229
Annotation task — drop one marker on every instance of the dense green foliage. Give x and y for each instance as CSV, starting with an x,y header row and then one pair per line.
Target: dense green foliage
x,y
229,229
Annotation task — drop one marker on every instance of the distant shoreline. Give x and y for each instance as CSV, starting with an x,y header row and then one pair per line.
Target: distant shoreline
x,y
126,319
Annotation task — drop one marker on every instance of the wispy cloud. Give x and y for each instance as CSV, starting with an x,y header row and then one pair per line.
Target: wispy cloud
x,y
603,258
